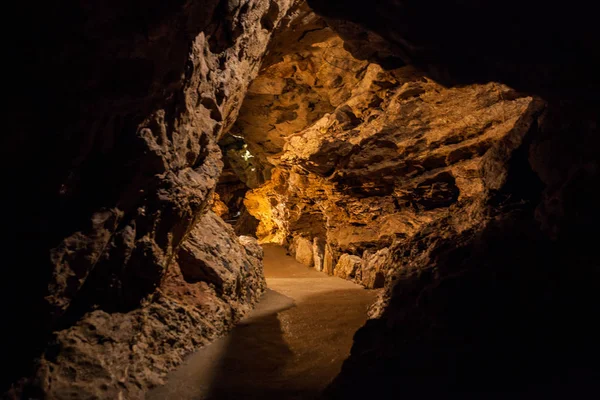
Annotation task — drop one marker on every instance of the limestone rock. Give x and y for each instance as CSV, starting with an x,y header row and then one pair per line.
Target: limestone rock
x,y
458,288
307,73
328,266
347,266
478,296
474,201
252,247
319,253
398,154
219,207
213,254
375,267
129,156
394,33
303,251
216,281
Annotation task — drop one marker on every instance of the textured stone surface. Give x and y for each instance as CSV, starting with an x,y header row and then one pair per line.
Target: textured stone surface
x,y
374,268
490,299
485,201
328,264
302,250
212,255
318,251
216,280
124,151
306,74
470,42
219,207
395,156
494,298
347,266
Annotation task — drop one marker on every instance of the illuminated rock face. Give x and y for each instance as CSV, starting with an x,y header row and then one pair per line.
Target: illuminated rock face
x,y
480,199
125,159
400,152
494,298
347,266
473,205
215,280
306,74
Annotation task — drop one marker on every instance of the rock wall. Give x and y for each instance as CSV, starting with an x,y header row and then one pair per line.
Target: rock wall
x,y
400,152
495,298
215,279
118,113
474,205
531,46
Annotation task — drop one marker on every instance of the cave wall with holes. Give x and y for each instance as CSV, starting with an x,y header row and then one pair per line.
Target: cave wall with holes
x,y
117,109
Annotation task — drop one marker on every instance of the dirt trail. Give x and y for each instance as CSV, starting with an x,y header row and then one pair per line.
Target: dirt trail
x,y
290,347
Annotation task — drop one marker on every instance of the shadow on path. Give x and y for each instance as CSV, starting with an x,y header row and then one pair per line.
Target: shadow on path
x,y
289,348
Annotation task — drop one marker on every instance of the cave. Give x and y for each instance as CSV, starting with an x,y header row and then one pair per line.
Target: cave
x,y
301,199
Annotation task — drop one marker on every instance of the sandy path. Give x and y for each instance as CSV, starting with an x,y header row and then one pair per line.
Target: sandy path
x,y
290,347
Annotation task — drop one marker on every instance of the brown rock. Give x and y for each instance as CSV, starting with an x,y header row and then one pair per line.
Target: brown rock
x,y
347,266
130,162
303,251
213,254
374,268
470,201
328,265
396,155
217,280
219,207
319,253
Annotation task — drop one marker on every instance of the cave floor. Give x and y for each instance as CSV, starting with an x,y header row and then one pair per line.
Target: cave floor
x,y
290,347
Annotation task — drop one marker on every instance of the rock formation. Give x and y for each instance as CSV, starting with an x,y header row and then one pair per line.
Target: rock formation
x,y
446,152
214,281
494,299
467,202
122,160
399,152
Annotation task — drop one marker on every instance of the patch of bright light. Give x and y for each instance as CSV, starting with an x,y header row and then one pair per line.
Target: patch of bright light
x,y
246,155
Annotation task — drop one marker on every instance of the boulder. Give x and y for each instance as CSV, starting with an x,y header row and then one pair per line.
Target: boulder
x,y
374,268
347,266
303,251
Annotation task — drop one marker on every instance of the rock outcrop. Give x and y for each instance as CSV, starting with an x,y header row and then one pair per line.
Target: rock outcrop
x,y
493,299
306,74
472,203
214,281
347,266
399,153
115,170
470,42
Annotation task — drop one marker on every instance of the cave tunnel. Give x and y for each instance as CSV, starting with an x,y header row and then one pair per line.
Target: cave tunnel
x,y
302,199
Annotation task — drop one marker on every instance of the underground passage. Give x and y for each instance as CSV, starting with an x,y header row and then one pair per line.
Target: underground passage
x,y
302,199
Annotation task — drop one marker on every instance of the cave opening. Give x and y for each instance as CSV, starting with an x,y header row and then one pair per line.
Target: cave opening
x,y
303,199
